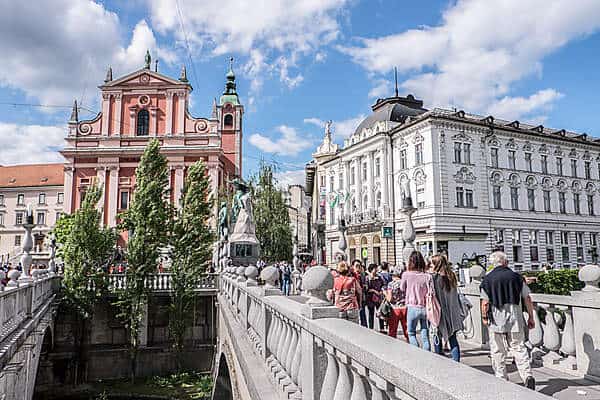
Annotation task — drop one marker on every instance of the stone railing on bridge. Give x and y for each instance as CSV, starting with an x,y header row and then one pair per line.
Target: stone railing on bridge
x,y
567,328
19,299
310,353
161,282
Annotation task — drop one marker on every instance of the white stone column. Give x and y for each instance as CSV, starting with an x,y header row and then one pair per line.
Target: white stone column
x,y
105,113
178,184
370,173
169,114
214,170
68,187
112,193
117,114
357,173
348,204
385,179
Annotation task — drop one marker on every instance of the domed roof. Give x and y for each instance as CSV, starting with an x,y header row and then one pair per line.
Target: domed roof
x,y
394,109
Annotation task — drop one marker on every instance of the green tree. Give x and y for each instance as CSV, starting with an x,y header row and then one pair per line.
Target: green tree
x,y
87,249
147,224
271,217
191,243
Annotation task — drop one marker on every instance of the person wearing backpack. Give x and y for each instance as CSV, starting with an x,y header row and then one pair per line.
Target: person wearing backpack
x,y
374,287
445,284
346,293
385,274
286,278
418,287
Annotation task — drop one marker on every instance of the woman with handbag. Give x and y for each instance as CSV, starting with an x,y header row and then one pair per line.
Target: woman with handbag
x,y
451,314
418,287
374,285
395,297
346,293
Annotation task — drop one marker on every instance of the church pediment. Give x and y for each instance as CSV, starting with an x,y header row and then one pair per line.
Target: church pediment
x,y
143,77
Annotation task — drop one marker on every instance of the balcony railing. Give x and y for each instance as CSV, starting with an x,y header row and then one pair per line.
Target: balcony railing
x,y
161,282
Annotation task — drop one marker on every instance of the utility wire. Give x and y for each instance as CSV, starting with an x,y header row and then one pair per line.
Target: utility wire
x,y
187,43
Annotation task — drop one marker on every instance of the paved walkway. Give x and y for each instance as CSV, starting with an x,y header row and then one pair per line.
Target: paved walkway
x,y
549,381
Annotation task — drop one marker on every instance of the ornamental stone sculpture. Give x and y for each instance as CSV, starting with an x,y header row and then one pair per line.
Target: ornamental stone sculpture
x,y
251,273
590,274
317,281
26,258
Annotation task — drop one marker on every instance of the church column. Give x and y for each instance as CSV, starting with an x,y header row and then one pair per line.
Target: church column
x,y
180,112
68,206
178,184
101,178
113,194
153,121
132,112
105,113
117,115
169,114
214,170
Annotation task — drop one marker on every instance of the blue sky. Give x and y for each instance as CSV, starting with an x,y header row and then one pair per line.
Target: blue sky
x,y
299,63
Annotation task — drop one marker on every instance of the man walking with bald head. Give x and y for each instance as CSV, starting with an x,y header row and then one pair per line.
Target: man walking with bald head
x,y
502,293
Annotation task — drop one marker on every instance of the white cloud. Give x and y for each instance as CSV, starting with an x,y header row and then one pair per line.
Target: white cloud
x,y
289,143
472,58
513,107
381,89
25,144
57,56
267,32
287,178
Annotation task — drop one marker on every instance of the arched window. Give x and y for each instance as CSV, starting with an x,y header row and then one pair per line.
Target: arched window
x,y
143,122
228,122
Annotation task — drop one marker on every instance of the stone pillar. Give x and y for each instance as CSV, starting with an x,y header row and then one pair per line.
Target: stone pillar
x,y
348,203
105,114
100,180
585,319
113,194
169,114
26,259
117,114
214,169
143,329
181,106
178,184
370,186
132,125
358,166
385,179
68,206
472,292
153,123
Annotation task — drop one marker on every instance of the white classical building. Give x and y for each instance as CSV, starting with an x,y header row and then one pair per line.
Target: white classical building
x,y
478,183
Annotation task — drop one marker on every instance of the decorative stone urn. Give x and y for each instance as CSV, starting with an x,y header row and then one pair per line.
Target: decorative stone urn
x,y
251,273
269,275
317,281
13,276
240,271
590,274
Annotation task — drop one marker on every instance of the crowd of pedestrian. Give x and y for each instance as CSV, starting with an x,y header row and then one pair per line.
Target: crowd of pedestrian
x,y
423,299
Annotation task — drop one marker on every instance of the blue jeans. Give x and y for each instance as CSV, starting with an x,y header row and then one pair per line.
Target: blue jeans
x,y
418,315
285,286
454,348
362,316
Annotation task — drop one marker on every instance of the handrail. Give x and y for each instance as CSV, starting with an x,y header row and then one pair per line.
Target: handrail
x,y
359,363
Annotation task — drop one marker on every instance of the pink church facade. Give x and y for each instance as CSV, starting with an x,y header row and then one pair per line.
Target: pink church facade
x,y
136,108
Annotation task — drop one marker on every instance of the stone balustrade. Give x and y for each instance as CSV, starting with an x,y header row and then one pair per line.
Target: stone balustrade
x,y
566,336
161,282
310,353
20,299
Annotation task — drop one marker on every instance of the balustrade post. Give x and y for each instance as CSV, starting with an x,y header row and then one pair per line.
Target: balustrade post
x,y
472,292
317,281
568,345
585,320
